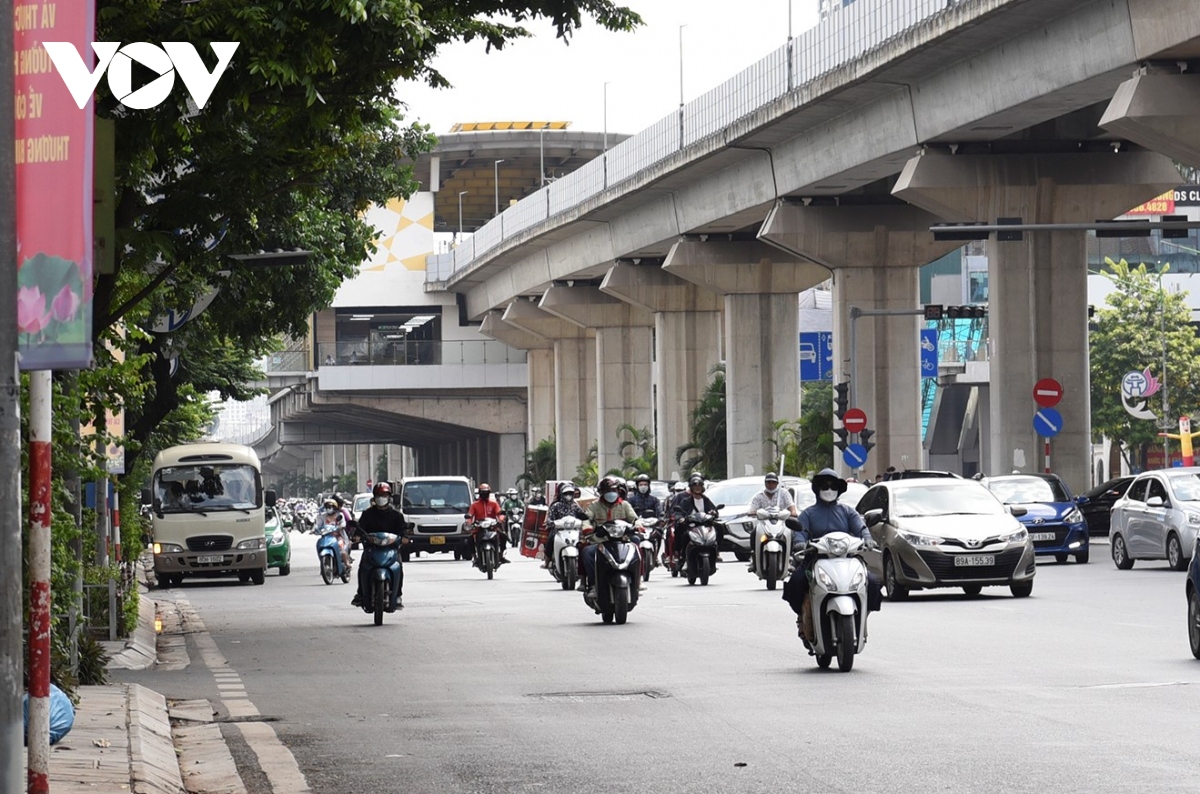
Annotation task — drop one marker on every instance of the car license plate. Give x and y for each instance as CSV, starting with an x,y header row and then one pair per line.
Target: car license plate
x,y
973,560
1036,536
203,560
437,540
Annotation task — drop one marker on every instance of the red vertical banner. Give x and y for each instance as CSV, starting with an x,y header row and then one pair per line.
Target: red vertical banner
x,y
54,189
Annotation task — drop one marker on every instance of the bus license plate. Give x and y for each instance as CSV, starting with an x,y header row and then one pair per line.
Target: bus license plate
x,y
974,560
437,540
205,560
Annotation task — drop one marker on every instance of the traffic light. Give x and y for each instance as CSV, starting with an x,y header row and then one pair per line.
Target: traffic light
x,y
864,438
933,311
841,400
965,312
843,436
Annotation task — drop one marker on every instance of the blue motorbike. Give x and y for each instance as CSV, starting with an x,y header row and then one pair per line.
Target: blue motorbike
x,y
329,555
381,562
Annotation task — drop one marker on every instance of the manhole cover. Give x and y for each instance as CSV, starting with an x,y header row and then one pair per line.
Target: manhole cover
x,y
595,697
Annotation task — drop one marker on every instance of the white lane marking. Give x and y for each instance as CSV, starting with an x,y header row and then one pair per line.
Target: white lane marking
x,y
1143,685
275,760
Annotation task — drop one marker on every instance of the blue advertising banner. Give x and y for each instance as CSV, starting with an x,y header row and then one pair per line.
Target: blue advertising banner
x,y
816,356
929,352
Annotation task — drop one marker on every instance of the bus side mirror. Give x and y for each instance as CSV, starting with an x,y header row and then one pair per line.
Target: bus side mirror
x,y
269,498
146,498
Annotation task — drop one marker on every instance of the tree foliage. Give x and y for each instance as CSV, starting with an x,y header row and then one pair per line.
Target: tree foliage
x,y
1129,335
637,447
541,464
705,450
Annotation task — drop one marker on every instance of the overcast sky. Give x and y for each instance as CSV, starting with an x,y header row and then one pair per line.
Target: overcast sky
x,y
544,79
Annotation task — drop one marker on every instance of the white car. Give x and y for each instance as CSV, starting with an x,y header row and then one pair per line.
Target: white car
x,y
1157,518
358,504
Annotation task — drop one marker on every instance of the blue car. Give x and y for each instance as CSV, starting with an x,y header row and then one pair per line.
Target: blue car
x,y
1193,597
1056,525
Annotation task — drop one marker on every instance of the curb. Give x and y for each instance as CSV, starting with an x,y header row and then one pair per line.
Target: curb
x,y
154,767
141,649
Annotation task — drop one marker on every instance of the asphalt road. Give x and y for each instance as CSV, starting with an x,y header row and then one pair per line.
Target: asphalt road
x,y
515,686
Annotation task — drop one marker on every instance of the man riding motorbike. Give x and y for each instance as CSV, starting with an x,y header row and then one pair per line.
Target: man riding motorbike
x,y
536,498
382,517
564,505
487,507
690,501
511,501
609,507
641,500
817,521
770,496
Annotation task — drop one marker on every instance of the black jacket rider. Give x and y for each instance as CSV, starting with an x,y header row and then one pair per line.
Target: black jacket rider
x,y
381,519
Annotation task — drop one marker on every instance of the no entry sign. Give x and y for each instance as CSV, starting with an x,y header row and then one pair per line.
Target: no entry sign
x,y
1047,392
855,420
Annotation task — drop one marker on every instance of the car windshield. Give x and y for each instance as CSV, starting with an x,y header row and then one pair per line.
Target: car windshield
x,y
1186,487
734,493
432,498
362,503
191,489
944,499
1027,490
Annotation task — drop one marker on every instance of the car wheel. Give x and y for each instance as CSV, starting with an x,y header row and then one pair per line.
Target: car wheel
x,y
1021,589
741,556
1120,554
1175,556
284,570
1060,558
243,576
972,589
1194,622
895,590
258,576
1082,557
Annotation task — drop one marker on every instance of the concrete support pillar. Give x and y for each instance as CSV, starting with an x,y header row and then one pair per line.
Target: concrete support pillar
x,y
395,459
761,285
510,463
1038,285
540,369
328,462
574,351
310,468
687,329
377,451
1160,112
875,253
362,465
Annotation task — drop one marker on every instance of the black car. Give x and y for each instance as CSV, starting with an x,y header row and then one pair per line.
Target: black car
x,y
1096,504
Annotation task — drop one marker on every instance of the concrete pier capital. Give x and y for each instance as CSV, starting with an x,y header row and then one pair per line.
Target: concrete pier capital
x,y
527,316
588,307
742,268
890,235
493,325
654,289
1160,112
1075,187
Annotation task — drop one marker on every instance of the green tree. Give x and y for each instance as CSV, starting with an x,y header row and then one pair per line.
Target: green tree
x,y
588,472
1129,334
815,438
705,450
381,467
641,442
541,464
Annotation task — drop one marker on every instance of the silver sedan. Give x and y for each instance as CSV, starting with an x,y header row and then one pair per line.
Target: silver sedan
x,y
1157,518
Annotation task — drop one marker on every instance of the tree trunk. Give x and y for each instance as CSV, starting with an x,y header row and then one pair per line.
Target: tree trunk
x,y
1114,460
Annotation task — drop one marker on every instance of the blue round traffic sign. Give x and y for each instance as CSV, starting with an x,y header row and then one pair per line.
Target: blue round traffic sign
x,y
855,456
1047,422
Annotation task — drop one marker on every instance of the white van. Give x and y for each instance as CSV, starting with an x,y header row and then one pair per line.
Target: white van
x,y
207,512
435,506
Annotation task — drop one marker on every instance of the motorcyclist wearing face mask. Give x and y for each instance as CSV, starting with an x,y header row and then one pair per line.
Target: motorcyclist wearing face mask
x,y
381,516
817,521
487,507
641,500
564,505
690,501
770,496
334,519
609,507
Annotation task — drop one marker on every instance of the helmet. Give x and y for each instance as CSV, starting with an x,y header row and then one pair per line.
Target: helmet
x,y
828,477
630,484
511,492
380,489
694,480
563,487
771,477
485,491
642,478
679,487
607,484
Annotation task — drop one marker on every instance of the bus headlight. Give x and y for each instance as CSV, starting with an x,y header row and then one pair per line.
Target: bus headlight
x,y
252,543
167,548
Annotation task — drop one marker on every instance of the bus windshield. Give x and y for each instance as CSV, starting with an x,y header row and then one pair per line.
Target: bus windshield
x,y
197,489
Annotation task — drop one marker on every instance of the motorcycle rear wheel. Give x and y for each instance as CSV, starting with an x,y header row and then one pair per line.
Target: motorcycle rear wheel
x,y
845,647
379,595
327,569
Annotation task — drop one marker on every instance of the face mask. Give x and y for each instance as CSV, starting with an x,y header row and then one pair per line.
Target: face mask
x,y
485,495
382,501
643,488
771,489
330,511
827,495
568,497
610,497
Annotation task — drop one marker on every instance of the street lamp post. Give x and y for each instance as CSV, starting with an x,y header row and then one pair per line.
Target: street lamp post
x,y
461,193
542,151
606,117
496,180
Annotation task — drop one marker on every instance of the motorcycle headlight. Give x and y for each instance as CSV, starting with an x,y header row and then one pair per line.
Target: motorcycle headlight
x,y
277,537
825,579
253,543
917,539
1074,517
838,547
858,579
1013,537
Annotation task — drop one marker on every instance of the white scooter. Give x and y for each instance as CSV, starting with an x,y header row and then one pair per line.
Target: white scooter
x,y
835,619
771,545
651,531
564,556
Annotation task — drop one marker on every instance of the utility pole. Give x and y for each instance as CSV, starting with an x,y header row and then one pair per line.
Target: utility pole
x,y
12,744
496,181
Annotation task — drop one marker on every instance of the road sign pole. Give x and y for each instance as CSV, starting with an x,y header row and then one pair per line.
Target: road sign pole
x,y
1047,456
